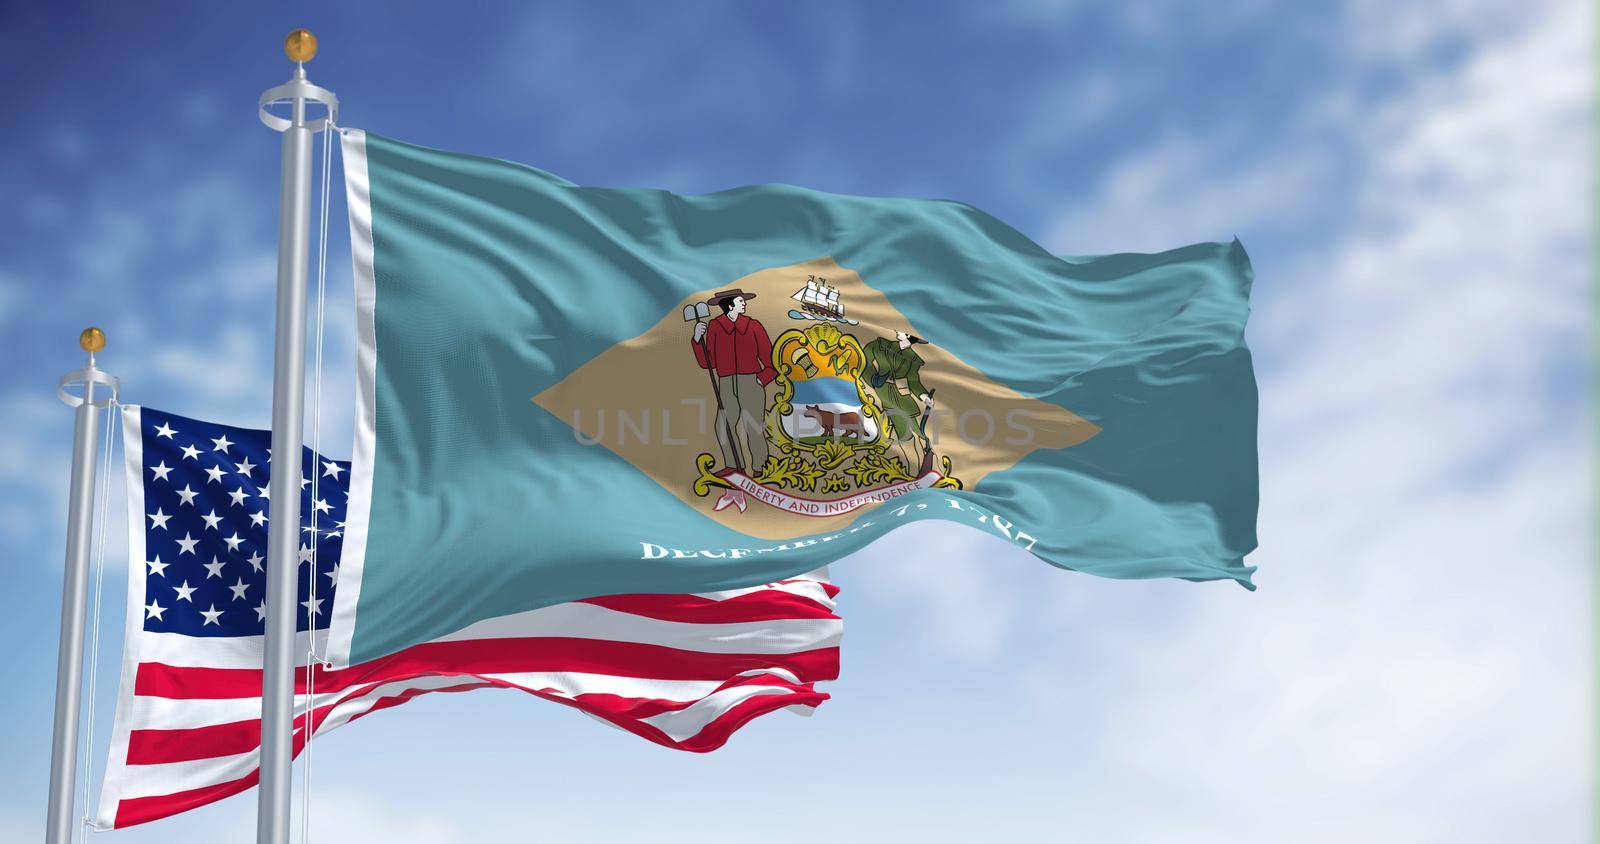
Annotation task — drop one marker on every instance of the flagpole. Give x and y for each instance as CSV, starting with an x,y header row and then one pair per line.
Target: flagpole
x,y
288,408
75,580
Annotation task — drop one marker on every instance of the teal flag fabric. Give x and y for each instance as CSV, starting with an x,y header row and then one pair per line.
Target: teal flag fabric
x,y
569,391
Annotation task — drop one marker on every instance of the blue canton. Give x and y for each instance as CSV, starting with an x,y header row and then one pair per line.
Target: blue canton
x,y
206,515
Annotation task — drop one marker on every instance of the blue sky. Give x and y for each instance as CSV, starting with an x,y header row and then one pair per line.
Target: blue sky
x,y
1410,181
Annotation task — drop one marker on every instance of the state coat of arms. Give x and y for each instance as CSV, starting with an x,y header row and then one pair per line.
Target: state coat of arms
x,y
822,420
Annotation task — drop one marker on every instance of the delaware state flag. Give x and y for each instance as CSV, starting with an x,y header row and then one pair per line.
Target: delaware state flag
x,y
569,391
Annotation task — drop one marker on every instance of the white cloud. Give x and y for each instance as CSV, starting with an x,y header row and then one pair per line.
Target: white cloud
x,y
1175,193
33,477
1414,667
947,572
358,818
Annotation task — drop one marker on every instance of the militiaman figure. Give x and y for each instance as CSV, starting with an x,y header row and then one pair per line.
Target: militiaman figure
x,y
893,368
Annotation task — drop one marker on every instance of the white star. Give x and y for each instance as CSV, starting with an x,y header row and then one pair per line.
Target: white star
x,y
333,534
238,497
303,481
211,616
186,544
159,519
187,495
185,591
161,470
258,518
158,567
154,610
238,589
333,573
255,560
245,467
165,431
306,553
331,468
321,506
221,444
264,493
214,474
191,452
212,520
233,541
261,611
213,569
313,606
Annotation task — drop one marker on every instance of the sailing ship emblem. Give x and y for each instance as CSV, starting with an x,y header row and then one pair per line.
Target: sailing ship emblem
x,y
819,301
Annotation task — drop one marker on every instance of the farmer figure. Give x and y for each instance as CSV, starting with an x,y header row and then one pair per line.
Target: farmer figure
x,y
736,349
893,368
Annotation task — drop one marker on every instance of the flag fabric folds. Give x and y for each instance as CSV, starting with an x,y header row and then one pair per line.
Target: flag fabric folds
x,y
684,671
568,391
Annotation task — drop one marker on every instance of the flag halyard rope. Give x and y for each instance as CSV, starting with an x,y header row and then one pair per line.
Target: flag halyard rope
x,y
308,726
104,492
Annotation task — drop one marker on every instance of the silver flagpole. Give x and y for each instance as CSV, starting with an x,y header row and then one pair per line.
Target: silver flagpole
x,y
75,580
288,401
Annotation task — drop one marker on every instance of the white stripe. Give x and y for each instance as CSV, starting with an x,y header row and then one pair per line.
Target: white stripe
x,y
808,589
358,201
159,713
587,621
573,621
688,722
173,777
179,650
776,671
569,684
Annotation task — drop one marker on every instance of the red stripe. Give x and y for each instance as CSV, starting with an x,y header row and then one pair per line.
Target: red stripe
x,y
154,747
502,656
715,734
144,809
138,810
766,605
833,591
493,656
616,708
398,698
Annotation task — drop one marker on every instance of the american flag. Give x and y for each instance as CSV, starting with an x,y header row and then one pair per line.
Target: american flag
x,y
684,671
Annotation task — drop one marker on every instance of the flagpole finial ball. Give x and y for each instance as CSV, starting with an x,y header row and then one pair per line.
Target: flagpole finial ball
x,y
300,45
92,340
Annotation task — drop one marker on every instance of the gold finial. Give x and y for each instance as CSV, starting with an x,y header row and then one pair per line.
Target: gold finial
x,y
300,46
92,340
